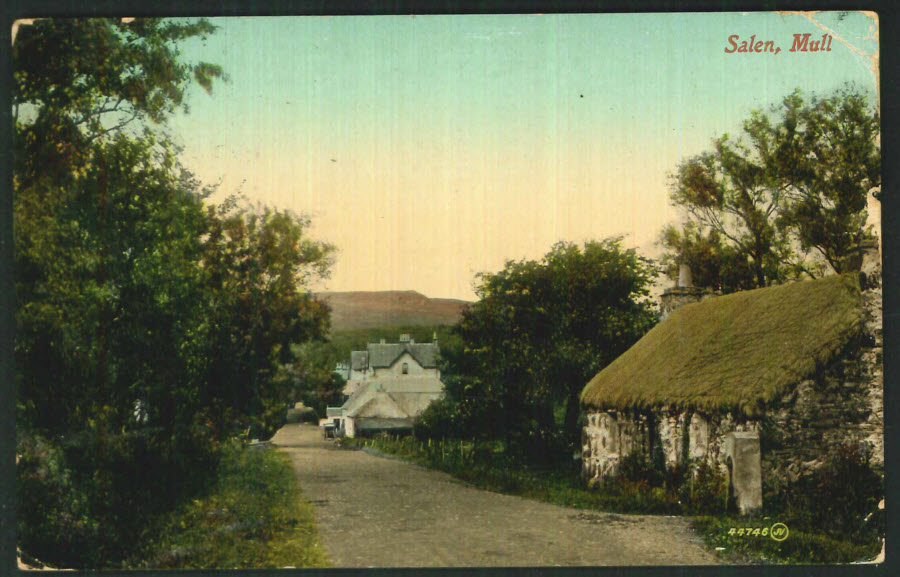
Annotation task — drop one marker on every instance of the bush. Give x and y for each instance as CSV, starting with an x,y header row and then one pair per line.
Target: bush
x,y
82,501
837,498
704,491
439,421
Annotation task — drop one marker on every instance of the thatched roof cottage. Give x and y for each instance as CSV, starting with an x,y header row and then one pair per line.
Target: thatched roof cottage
x,y
776,378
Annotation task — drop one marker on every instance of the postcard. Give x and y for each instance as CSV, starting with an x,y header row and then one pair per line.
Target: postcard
x,y
484,290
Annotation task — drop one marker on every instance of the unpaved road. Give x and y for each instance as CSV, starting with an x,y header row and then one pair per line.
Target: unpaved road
x,y
378,512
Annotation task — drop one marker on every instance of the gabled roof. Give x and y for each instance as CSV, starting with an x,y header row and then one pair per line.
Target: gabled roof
x,y
383,355
398,397
734,352
359,360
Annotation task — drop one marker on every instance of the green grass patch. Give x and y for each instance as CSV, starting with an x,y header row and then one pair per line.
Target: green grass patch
x,y
255,517
723,535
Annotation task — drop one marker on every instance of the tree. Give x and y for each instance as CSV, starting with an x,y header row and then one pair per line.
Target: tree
x,y
150,327
541,329
788,186
82,188
257,263
829,160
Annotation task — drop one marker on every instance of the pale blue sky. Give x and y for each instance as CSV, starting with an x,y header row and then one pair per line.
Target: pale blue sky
x,y
430,148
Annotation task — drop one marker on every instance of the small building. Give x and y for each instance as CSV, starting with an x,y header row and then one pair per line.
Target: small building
x,y
390,385
389,404
765,383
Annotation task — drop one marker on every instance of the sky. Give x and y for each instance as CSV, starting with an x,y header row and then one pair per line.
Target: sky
x,y
430,148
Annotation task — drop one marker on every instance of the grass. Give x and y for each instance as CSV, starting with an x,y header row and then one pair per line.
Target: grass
x,y
254,517
486,466
799,546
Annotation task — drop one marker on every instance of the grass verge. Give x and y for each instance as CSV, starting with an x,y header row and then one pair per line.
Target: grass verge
x,y
722,534
255,517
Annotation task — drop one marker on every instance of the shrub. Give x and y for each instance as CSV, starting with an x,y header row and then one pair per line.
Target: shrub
x,y
837,498
704,490
439,421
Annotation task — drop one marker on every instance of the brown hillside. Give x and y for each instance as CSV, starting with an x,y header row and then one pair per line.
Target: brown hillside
x,y
362,310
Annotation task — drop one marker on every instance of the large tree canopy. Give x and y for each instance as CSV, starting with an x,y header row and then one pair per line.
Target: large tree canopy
x,y
541,329
787,198
151,326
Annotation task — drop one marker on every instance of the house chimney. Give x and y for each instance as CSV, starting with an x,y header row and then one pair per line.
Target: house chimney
x,y
434,337
684,276
870,264
684,292
404,338
383,341
864,259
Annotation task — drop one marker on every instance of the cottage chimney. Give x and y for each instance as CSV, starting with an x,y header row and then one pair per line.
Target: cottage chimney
x,y
684,276
682,293
383,341
404,338
870,264
865,259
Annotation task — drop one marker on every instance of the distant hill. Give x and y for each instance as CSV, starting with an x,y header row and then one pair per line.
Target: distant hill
x,y
364,310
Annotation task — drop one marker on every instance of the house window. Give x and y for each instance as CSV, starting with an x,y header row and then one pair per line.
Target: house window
x,y
405,368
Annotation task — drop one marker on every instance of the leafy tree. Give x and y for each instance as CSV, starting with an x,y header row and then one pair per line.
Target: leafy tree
x,y
256,262
315,381
786,187
149,326
541,329
828,159
714,263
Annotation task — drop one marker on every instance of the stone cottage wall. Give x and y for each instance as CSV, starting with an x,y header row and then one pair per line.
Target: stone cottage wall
x,y
608,436
841,406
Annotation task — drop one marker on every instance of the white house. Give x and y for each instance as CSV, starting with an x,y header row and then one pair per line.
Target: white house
x,y
383,360
390,385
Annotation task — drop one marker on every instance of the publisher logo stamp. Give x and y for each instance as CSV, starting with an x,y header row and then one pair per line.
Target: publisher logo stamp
x,y
779,532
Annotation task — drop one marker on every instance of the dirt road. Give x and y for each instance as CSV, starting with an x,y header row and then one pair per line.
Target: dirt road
x,y
378,512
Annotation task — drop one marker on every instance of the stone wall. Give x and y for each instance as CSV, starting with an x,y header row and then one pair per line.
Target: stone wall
x,y
675,297
608,436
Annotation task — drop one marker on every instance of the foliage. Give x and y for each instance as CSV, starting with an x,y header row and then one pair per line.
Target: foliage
x,y
150,328
81,502
256,263
539,331
441,420
787,198
713,262
837,499
255,517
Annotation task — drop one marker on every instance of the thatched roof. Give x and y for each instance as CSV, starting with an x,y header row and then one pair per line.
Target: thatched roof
x,y
734,352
